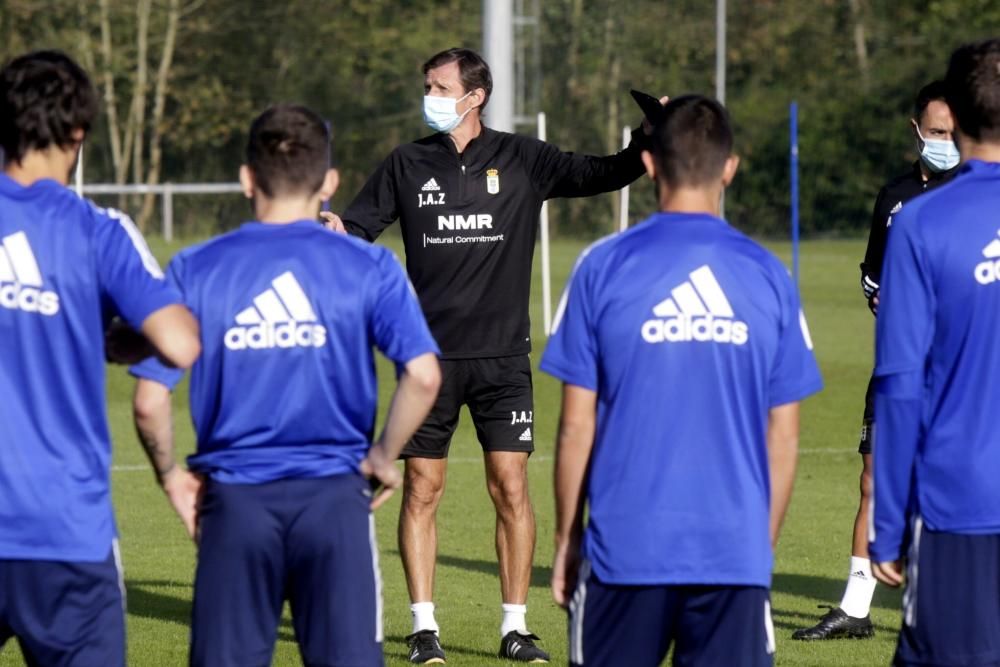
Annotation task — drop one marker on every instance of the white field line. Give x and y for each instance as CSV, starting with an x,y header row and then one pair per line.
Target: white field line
x,y
534,457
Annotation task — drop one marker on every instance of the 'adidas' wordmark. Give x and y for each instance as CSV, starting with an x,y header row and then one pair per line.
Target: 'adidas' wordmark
x,y
697,310
280,317
989,271
21,280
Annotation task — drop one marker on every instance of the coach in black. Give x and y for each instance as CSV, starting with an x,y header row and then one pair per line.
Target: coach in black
x,y
467,199
932,127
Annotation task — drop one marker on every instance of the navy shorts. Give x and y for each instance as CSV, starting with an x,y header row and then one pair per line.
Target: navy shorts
x,y
64,614
709,626
499,394
951,605
310,541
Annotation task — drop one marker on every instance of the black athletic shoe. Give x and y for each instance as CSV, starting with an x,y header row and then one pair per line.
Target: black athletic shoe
x,y
425,648
521,647
836,624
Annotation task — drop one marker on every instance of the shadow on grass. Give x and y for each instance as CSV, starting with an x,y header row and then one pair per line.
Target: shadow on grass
x,y
146,598
827,590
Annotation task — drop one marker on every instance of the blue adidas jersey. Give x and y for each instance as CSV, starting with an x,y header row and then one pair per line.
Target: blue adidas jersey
x,y
937,350
689,332
285,386
66,267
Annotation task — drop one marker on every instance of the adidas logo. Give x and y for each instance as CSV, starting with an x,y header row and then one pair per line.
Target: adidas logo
x,y
989,271
280,316
526,436
430,186
20,279
697,310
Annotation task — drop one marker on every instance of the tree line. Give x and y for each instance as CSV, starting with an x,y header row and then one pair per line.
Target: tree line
x,y
181,79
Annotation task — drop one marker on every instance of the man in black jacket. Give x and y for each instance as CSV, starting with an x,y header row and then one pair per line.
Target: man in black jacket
x,y
467,199
932,128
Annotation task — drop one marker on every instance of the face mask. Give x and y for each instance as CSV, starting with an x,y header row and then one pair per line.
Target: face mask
x,y
937,154
440,113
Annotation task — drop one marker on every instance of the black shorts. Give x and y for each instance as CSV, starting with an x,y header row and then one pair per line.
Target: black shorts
x,y
498,392
868,420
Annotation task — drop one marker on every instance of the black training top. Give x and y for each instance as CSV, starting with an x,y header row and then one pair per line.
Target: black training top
x,y
469,224
890,200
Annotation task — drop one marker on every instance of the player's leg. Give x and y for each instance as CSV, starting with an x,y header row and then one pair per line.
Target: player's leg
x,y
611,625
725,625
239,580
334,584
852,618
951,604
501,404
67,614
423,487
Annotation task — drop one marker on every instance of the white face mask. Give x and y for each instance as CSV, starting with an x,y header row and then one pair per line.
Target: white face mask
x,y
939,155
441,113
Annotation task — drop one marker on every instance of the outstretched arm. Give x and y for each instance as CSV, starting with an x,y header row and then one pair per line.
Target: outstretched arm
x,y
154,426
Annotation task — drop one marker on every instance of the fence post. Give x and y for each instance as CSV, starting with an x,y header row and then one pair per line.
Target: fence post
x,y
168,212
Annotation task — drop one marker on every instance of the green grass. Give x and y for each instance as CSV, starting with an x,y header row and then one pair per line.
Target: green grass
x,y
812,558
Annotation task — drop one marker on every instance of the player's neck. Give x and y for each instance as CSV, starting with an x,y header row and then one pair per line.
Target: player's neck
x,y
283,211
690,200
470,128
52,163
980,150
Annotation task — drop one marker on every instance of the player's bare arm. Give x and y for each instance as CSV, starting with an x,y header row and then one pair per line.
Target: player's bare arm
x,y
574,444
415,394
782,455
173,331
154,426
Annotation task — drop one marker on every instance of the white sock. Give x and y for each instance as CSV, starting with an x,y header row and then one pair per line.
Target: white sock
x,y
423,617
857,600
513,618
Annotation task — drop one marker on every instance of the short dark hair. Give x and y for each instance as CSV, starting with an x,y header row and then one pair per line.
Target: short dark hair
x,y
44,97
691,141
935,90
472,69
288,150
973,89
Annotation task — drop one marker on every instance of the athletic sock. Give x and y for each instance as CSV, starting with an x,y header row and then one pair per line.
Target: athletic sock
x,y
857,600
513,618
423,617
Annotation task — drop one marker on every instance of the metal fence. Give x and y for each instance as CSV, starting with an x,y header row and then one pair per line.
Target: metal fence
x,y
166,192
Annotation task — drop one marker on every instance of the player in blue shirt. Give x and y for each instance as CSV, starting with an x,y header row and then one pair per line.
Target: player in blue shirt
x,y
683,354
937,448
283,402
66,267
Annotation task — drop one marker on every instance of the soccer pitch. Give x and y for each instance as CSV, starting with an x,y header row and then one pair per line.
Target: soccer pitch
x,y
812,559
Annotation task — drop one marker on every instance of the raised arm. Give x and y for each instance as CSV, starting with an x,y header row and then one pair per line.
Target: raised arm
x,y
782,455
559,174
154,426
574,444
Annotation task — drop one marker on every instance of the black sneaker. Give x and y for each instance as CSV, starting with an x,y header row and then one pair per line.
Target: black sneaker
x,y
836,624
520,646
425,648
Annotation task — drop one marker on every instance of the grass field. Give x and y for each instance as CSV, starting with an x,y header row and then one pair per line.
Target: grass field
x,y
812,558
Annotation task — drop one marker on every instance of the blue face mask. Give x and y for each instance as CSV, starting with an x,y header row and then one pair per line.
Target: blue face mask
x,y
441,114
938,155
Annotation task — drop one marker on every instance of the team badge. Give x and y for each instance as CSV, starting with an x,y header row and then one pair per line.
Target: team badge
x,y
492,181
